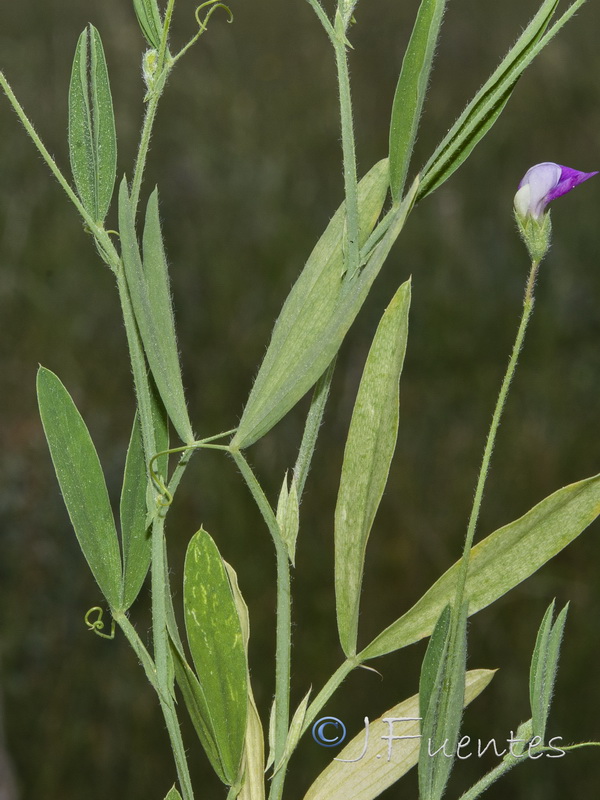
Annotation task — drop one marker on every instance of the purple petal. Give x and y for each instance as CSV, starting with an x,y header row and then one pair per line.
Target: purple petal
x,y
569,179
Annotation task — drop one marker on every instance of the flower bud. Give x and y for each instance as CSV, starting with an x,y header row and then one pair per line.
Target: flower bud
x,y
540,185
149,67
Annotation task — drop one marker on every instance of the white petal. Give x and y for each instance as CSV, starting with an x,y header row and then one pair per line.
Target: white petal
x,y
521,201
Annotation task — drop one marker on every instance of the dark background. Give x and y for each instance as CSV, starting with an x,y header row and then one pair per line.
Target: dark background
x,y
246,153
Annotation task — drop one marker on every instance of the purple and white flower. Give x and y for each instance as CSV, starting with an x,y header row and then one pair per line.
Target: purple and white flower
x,y
543,183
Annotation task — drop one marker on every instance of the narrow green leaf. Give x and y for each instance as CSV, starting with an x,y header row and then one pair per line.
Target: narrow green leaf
x,y
313,345
295,731
216,643
198,708
82,483
440,727
411,91
92,136
293,363
272,718
363,773
486,106
552,660
434,655
135,536
148,17
314,419
500,562
146,297
81,143
367,458
138,500
544,665
173,794
157,279
288,515
105,137
538,669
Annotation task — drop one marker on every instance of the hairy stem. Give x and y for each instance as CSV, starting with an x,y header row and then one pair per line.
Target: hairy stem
x,y
284,621
311,428
98,231
338,677
348,151
528,303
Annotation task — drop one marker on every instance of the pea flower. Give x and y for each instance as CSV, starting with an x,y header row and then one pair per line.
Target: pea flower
x,y
540,185
543,183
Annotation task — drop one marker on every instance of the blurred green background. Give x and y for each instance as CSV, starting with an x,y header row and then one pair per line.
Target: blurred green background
x,y
247,157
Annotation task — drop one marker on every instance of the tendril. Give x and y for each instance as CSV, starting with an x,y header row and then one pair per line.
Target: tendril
x,y
97,625
203,23
215,4
165,498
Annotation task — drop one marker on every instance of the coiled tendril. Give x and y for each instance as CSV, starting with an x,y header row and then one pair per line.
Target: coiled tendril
x,y
97,625
202,24
215,4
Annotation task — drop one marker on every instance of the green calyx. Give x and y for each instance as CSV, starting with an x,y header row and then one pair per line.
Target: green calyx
x,y
535,233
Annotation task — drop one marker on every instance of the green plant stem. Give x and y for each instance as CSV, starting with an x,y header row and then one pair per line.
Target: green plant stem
x,y
323,18
139,369
348,150
314,419
491,777
158,566
160,639
163,68
162,54
338,677
284,621
145,137
528,304
138,647
159,606
98,231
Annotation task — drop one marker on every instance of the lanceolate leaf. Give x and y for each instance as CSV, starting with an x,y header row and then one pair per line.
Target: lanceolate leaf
x,y
486,106
173,794
138,496
253,762
157,278
148,17
135,536
198,708
287,369
216,641
544,665
295,731
92,137
436,651
363,773
82,483
369,449
500,562
154,320
318,313
288,515
411,90
441,711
